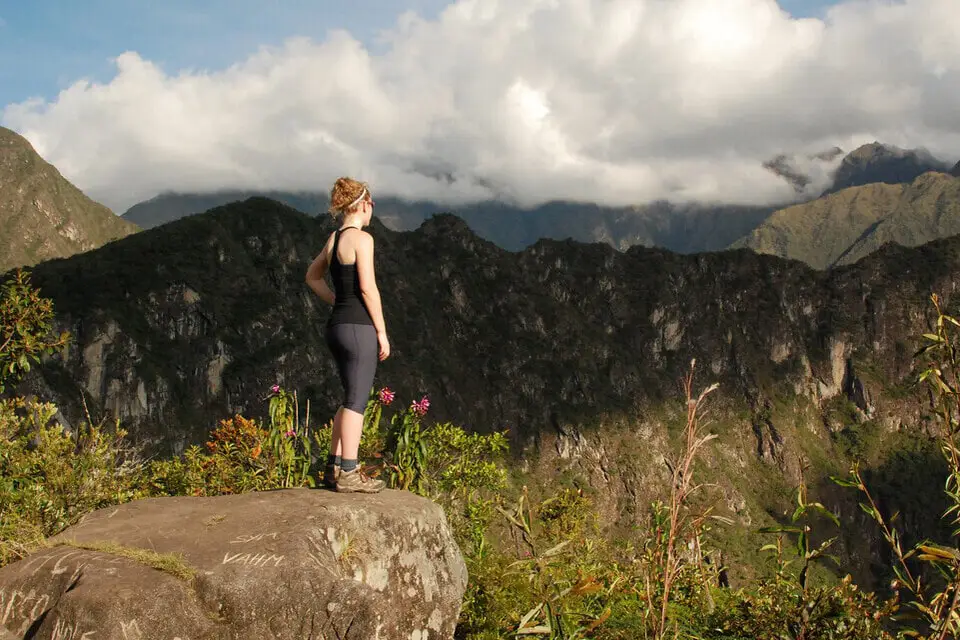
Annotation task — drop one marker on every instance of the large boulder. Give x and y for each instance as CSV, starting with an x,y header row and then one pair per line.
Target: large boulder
x,y
295,564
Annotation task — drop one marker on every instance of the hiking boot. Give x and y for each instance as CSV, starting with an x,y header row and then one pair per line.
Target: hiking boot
x,y
330,475
356,482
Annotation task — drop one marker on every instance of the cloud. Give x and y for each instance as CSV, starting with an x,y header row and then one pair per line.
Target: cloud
x,y
610,101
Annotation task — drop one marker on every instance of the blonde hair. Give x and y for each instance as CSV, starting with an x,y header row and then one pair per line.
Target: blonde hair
x,y
345,195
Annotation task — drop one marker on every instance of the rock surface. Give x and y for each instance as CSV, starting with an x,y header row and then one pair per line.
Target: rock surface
x,y
295,564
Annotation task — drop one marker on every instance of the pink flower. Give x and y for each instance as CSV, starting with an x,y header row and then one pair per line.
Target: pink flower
x,y
421,408
290,433
275,388
386,396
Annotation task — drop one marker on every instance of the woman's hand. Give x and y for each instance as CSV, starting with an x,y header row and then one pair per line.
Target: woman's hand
x,y
384,345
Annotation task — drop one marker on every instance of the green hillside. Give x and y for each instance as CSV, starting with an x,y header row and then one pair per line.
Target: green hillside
x,y
820,231
42,215
842,227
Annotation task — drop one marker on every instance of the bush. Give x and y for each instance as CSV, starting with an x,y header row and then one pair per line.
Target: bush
x,y
50,477
242,456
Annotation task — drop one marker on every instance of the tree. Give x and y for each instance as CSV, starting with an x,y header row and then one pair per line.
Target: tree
x,y
26,327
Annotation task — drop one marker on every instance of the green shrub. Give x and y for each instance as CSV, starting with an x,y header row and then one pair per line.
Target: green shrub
x,y
50,477
778,608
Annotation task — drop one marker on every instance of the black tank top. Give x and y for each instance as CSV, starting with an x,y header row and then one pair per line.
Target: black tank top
x,y
348,307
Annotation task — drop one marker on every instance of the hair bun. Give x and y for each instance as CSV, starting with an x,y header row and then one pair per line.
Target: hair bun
x,y
345,192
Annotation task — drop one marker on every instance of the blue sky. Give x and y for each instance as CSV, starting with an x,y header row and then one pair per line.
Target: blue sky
x,y
616,101
46,45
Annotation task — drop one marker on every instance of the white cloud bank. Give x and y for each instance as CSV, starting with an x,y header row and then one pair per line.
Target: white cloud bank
x,y
611,101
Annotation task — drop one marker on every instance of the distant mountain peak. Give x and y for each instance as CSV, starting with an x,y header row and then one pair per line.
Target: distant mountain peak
x,y
956,170
874,150
782,167
42,215
877,162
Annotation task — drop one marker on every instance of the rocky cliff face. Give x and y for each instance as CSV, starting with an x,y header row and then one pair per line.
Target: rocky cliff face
x,y
42,215
575,348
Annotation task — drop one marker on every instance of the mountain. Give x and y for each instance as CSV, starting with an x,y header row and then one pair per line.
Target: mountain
x,y
209,310
820,231
42,215
216,301
168,207
842,227
682,228
956,170
574,348
824,228
875,162
926,210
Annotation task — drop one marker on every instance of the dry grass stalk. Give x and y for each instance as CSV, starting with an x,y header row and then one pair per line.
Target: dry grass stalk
x,y
682,488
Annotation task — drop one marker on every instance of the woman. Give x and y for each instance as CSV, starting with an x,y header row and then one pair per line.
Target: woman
x,y
356,333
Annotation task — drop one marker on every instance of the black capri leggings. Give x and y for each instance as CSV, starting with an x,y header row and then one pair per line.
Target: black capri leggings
x,y
356,350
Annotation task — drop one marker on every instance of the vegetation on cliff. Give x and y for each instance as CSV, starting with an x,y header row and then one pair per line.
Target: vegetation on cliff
x,y
216,303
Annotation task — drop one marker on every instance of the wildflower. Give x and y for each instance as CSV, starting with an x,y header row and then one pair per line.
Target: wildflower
x,y
289,433
386,396
420,408
275,388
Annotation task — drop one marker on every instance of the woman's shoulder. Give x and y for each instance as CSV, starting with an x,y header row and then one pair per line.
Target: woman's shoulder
x,y
361,236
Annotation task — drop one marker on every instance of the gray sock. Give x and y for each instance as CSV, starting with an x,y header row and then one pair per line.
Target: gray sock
x,y
348,465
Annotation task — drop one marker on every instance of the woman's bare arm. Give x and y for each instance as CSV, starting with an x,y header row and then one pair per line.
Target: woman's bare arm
x,y
316,272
